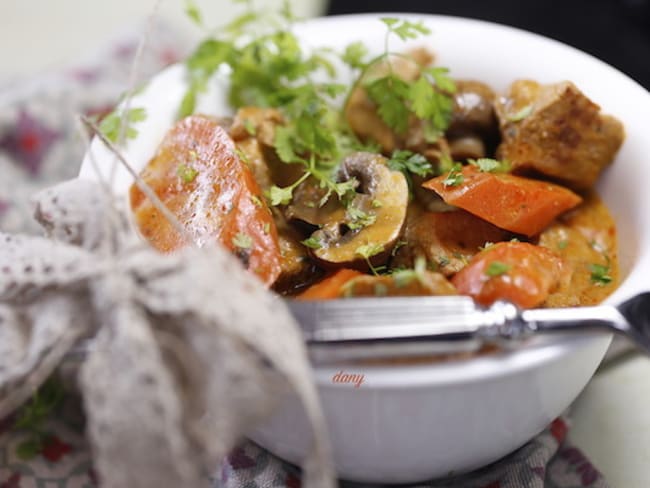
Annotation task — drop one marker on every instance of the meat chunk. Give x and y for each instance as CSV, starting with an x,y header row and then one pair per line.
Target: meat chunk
x,y
447,240
556,131
253,130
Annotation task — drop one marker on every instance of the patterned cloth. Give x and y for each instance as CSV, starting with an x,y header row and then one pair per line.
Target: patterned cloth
x,y
39,145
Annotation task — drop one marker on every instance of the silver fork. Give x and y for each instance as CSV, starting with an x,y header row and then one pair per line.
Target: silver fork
x,y
409,326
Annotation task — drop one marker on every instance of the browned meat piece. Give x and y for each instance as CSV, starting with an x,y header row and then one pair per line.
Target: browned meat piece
x,y
583,237
297,270
253,130
256,122
402,283
556,131
447,240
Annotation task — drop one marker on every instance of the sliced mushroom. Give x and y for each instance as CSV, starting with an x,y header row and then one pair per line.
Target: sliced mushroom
x,y
473,109
307,205
467,147
373,220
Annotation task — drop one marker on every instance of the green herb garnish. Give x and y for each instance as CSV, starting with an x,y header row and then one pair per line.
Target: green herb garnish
x,y
410,163
521,114
455,176
358,218
488,165
600,274
313,243
186,173
111,125
497,268
242,241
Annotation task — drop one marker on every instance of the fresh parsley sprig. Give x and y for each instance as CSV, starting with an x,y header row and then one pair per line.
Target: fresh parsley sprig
x,y
410,163
427,98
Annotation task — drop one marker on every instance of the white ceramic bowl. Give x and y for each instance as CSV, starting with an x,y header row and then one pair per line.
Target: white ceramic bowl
x,y
410,423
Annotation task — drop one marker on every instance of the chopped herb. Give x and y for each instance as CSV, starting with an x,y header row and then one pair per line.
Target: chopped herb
x,y
497,268
488,165
409,163
111,125
369,250
242,155
313,243
398,245
443,261
597,246
359,218
380,289
521,114
600,274
377,204
282,196
455,176
563,244
404,277
193,12
354,55
405,29
186,173
242,241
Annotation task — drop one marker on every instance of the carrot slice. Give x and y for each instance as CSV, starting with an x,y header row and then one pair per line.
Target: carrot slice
x,y
330,287
521,273
199,177
511,202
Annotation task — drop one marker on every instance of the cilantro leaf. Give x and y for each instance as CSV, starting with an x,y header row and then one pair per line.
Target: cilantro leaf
x,y
405,29
242,241
441,78
367,251
497,268
488,165
354,55
280,196
186,173
312,243
390,93
111,125
600,274
409,163
193,12
358,218
455,176
521,114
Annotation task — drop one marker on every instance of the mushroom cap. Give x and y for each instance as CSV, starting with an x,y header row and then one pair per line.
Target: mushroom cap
x,y
381,200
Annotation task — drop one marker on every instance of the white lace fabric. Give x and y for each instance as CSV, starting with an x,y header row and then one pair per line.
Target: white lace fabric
x,y
179,364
